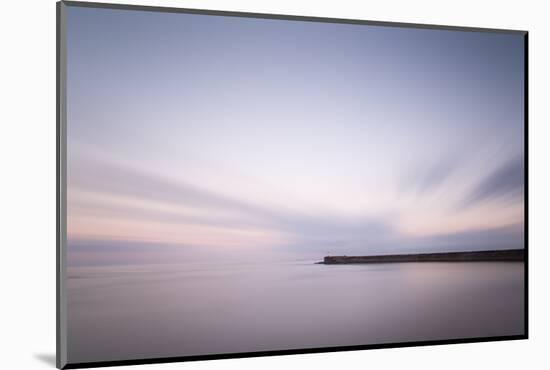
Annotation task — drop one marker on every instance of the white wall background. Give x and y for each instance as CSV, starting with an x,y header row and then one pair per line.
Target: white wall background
x,y
27,188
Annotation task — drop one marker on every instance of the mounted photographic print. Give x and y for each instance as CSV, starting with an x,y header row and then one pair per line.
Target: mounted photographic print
x,y
236,184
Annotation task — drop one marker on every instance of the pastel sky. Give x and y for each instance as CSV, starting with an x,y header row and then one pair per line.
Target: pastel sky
x,y
192,135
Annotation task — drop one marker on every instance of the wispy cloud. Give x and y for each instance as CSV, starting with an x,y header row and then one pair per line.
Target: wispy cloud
x,y
430,177
142,198
506,183
126,192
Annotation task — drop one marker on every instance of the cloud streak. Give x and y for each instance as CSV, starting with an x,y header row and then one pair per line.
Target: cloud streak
x,y
219,210
505,184
149,198
430,177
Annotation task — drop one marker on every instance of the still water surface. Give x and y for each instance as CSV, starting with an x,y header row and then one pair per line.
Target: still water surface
x,y
132,312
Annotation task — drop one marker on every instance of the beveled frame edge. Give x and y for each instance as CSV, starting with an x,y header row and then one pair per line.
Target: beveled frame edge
x,y
222,356
61,184
526,177
61,188
287,17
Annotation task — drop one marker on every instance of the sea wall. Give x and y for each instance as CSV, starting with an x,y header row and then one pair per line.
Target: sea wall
x,y
494,255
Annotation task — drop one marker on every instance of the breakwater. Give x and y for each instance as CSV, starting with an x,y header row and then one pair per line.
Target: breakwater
x,y
486,256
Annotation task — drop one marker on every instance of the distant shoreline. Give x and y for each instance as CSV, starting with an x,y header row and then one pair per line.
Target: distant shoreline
x,y
477,256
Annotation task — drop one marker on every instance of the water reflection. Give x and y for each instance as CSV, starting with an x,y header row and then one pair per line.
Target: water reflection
x,y
133,312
